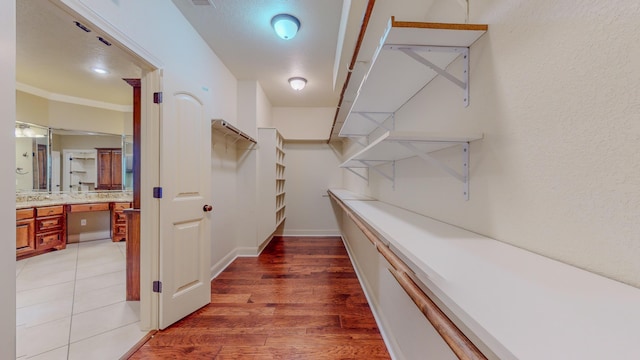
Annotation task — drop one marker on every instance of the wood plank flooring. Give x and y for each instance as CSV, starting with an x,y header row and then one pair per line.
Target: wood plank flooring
x,y
300,299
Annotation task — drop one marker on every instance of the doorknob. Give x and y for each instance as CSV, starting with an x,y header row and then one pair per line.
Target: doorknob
x,y
207,208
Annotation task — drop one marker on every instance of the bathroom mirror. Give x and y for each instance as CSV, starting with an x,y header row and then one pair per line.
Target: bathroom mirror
x,y
32,157
56,160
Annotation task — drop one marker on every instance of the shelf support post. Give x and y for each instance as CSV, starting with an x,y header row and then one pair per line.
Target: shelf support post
x,y
465,169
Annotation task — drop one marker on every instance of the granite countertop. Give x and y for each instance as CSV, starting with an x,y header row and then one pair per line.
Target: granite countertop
x,y
36,199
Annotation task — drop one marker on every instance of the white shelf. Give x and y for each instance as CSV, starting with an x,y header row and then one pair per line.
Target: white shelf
x,y
520,304
410,55
229,130
389,147
395,146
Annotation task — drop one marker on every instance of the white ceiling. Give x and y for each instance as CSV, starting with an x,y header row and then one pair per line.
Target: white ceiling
x,y
56,56
240,33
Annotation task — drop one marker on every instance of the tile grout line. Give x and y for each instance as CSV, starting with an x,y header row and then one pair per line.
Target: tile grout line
x,y
73,299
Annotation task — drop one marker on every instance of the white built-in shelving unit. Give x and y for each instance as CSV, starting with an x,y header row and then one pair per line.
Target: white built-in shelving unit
x,y
80,169
410,55
271,181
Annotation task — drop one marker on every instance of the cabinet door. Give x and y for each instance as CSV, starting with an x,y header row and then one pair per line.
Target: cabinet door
x,y
116,169
25,236
104,169
109,169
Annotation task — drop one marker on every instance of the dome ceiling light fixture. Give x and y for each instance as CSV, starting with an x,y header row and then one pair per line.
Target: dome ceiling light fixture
x,y
286,26
99,70
297,83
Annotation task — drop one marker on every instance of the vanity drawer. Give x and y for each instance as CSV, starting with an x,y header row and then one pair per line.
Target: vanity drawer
x,y
120,218
22,214
49,240
49,223
120,230
119,206
88,207
50,210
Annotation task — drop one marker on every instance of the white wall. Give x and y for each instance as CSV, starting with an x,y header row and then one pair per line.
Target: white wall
x,y
7,182
303,123
312,168
554,88
37,110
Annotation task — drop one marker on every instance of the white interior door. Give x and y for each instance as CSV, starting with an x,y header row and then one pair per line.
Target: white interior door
x,y
185,165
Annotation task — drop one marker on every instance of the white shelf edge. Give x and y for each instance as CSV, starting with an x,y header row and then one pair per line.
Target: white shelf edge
x,y
447,140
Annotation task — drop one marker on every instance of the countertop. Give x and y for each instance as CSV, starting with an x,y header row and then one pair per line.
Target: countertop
x,y
36,199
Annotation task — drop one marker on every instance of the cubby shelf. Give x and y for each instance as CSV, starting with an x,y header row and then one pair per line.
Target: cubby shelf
x,y
409,56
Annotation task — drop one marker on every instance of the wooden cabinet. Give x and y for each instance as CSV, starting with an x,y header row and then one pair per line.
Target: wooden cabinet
x,y
119,221
39,230
109,163
25,231
50,228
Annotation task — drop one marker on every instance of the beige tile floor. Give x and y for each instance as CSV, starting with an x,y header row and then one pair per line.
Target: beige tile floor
x,y
70,304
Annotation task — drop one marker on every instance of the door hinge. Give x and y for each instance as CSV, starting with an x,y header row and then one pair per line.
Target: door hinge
x,y
157,286
157,97
157,192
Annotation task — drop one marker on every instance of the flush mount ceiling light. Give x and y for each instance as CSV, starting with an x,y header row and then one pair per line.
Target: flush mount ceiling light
x,y
285,25
297,83
100,71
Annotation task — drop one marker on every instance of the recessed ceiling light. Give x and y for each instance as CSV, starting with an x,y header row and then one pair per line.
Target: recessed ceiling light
x,y
100,70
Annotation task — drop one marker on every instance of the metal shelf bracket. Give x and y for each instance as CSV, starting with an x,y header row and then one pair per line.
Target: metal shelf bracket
x,y
412,52
463,178
391,177
363,177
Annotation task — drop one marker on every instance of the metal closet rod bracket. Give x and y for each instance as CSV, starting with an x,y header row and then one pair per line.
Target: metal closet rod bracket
x,y
412,52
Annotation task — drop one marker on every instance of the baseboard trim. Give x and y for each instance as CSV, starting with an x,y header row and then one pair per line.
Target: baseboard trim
x,y
311,233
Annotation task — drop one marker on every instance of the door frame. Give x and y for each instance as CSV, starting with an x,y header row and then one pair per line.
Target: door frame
x,y
150,117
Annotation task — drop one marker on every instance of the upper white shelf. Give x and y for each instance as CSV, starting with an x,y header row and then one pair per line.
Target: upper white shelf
x,y
409,56
397,145
228,129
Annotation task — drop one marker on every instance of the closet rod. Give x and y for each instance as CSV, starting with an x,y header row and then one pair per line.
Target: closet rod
x,y
456,339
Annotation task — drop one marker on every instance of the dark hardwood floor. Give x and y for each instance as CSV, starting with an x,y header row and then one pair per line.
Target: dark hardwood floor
x,y
300,299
